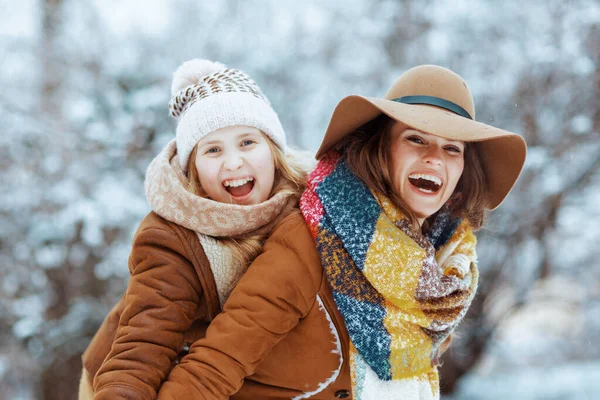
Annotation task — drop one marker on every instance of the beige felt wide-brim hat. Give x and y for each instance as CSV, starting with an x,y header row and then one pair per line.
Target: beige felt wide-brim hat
x,y
435,100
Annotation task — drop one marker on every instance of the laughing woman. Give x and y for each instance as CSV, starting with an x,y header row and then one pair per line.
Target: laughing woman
x,y
384,253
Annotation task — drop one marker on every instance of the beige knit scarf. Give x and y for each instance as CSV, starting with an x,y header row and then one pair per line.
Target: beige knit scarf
x,y
167,194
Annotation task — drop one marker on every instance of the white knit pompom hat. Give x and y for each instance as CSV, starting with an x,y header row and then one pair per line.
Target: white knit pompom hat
x,y
206,96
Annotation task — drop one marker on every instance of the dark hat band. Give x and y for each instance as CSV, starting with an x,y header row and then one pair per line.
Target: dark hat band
x,y
434,101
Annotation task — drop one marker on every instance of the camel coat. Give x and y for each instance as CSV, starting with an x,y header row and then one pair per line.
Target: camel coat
x,y
282,336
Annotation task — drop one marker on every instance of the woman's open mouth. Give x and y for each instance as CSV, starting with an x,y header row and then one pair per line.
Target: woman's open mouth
x,y
239,188
425,183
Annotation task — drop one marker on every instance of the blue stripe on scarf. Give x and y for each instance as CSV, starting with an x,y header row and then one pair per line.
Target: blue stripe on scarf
x,y
442,228
447,233
364,322
353,210
352,214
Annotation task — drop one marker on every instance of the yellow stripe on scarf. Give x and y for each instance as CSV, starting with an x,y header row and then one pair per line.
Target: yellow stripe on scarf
x,y
397,282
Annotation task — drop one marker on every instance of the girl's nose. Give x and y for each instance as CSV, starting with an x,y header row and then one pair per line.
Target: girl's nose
x,y
233,162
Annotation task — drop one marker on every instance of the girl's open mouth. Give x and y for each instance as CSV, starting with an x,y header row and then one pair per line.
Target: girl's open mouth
x,y
239,187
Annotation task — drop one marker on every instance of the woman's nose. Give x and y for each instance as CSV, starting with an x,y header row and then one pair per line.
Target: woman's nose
x,y
434,155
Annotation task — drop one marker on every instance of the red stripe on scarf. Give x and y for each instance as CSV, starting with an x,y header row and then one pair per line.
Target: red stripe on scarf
x,y
310,204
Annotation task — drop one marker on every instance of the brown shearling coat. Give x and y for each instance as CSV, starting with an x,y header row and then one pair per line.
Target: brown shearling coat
x,y
277,333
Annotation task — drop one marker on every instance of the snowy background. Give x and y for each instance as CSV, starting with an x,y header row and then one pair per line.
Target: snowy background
x,y
84,87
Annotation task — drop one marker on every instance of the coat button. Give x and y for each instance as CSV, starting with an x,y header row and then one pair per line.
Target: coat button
x,y
342,394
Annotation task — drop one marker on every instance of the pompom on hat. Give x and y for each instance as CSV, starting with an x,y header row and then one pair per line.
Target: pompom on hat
x,y
206,96
435,100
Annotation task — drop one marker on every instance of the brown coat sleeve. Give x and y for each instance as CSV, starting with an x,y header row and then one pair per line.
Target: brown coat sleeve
x,y
279,289
160,304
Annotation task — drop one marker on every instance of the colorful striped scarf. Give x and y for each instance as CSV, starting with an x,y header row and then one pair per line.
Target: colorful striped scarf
x,y
398,305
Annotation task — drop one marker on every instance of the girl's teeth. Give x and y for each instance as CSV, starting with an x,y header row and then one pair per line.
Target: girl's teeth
x,y
425,190
237,182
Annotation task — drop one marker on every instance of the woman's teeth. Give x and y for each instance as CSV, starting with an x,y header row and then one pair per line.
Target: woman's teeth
x,y
237,182
431,178
425,183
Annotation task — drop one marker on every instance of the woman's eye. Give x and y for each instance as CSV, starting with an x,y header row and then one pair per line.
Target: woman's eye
x,y
248,142
212,150
453,149
415,139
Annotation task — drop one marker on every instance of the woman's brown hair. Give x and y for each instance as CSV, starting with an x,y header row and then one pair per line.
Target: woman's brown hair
x,y
367,151
290,178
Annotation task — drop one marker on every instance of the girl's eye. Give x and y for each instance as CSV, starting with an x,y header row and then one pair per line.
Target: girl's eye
x,y
212,150
415,139
248,142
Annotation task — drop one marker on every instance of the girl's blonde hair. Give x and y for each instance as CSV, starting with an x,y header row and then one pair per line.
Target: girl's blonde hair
x,y
367,151
290,179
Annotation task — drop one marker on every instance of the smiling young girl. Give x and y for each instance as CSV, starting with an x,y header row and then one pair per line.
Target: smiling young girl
x,y
216,192
386,257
